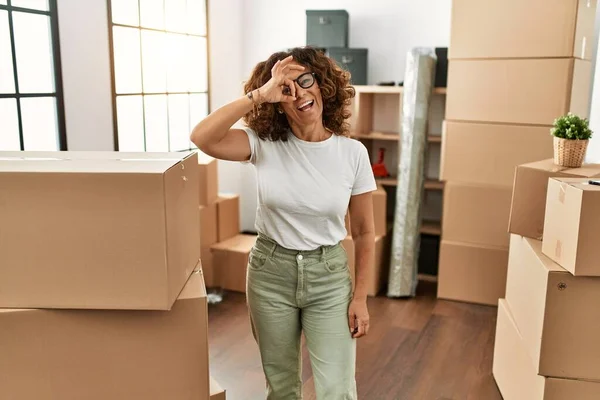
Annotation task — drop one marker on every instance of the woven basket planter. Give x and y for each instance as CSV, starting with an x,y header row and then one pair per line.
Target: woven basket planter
x,y
569,153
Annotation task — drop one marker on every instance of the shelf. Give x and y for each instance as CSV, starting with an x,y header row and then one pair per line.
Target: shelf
x,y
431,228
394,137
387,181
427,278
389,89
376,136
429,184
432,184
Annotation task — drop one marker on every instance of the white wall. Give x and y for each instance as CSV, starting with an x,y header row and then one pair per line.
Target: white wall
x,y
388,28
83,31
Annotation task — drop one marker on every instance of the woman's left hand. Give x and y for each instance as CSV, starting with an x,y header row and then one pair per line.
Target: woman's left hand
x,y
358,318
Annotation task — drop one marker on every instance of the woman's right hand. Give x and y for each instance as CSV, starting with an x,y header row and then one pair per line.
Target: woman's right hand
x,y
280,88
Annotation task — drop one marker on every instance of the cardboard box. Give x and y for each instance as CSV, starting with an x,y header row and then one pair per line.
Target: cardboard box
x,y
80,232
553,310
476,214
228,217
487,153
99,355
216,392
572,225
378,276
208,268
472,273
230,259
380,211
209,226
516,376
208,179
529,194
526,91
520,29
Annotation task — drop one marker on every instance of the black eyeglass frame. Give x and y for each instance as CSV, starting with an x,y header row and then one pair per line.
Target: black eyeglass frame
x,y
286,90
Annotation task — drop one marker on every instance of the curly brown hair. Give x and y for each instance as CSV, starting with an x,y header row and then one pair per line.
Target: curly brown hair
x,y
333,81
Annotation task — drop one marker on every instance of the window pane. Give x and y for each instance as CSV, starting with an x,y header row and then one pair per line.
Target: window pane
x,y
9,125
197,64
154,61
125,12
196,14
152,14
177,68
179,122
130,123
176,15
7,80
40,129
33,4
157,128
128,73
33,48
198,111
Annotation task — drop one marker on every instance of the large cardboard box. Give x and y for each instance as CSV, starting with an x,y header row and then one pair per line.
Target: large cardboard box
x,y
522,29
488,153
380,211
208,268
230,260
216,392
572,225
110,231
99,355
526,91
476,213
208,179
553,310
472,273
529,194
209,226
378,276
228,217
515,373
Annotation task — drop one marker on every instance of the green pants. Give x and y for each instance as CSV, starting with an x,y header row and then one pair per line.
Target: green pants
x,y
292,291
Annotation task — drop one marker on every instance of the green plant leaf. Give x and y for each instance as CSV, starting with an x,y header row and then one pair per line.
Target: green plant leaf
x,y
571,127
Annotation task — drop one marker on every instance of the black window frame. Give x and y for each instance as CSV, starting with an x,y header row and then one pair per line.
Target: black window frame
x,y
114,93
52,13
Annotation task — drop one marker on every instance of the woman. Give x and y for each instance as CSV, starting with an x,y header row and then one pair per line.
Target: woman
x,y
309,172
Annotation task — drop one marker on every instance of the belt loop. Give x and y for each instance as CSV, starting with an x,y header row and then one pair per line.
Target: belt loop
x,y
322,253
273,248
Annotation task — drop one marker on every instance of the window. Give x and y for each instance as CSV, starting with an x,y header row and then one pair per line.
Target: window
x,y
160,66
31,104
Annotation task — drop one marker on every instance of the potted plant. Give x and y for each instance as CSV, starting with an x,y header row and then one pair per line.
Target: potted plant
x,y
571,136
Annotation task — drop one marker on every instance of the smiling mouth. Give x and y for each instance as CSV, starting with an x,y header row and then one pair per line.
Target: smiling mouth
x,y
307,105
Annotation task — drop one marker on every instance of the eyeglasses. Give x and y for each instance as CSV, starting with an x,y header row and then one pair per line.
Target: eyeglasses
x,y
305,81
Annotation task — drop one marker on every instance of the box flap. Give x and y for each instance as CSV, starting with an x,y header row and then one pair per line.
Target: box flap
x,y
579,184
194,288
544,165
89,162
550,265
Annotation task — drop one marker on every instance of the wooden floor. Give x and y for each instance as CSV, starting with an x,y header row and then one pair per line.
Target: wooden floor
x,y
417,349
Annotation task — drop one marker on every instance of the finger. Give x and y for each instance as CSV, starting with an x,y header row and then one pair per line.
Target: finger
x,y
351,322
294,67
290,84
274,69
361,331
287,99
367,326
287,60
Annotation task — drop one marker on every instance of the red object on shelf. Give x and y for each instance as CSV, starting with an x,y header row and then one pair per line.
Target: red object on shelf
x,y
379,169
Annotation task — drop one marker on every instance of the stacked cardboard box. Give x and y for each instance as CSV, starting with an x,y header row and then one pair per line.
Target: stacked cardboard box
x,y
220,231
546,338
511,73
377,277
101,291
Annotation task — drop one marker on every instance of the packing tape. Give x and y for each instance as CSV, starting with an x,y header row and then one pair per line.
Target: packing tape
x,y
558,249
562,192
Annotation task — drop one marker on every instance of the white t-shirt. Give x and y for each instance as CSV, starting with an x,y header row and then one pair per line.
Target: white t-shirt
x,y
304,188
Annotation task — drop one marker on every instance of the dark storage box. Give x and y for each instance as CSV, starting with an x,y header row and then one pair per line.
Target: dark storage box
x,y
352,60
327,28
